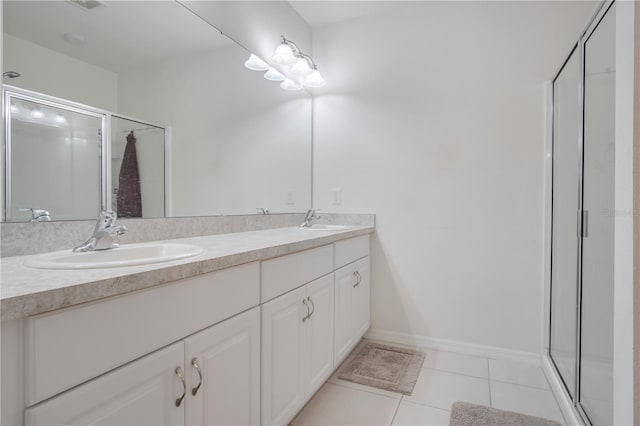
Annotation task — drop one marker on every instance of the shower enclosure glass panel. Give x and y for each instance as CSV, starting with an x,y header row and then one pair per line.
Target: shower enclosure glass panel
x,y
596,337
564,260
54,156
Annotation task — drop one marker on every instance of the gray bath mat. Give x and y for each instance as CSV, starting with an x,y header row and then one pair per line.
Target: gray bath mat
x,y
383,366
465,414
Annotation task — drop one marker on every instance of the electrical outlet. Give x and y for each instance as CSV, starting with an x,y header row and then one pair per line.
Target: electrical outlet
x,y
290,198
337,196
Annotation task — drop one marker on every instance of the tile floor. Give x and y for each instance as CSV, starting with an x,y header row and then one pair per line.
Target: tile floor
x,y
445,377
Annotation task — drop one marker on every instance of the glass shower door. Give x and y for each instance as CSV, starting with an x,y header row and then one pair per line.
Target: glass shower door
x,y
596,332
54,160
564,253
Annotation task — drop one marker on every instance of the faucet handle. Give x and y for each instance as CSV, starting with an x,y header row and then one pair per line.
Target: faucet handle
x,y
37,215
106,218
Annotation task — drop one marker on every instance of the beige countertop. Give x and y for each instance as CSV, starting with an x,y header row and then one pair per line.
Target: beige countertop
x,y
27,291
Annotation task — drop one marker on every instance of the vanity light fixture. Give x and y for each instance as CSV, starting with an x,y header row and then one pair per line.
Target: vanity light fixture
x,y
298,68
274,75
302,65
284,53
314,79
290,85
60,119
36,113
256,64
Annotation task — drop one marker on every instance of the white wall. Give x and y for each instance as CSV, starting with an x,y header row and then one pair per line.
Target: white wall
x,y
433,118
256,25
47,71
623,336
238,141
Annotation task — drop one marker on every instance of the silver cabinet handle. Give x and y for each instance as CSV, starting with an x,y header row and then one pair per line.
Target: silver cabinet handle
x,y
306,317
585,224
180,374
358,277
194,363
312,305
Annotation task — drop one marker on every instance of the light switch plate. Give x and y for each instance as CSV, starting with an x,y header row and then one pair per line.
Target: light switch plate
x,y
337,196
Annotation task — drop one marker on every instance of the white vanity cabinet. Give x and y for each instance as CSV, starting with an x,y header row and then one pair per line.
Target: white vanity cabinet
x,y
245,345
141,393
210,378
352,306
297,348
223,373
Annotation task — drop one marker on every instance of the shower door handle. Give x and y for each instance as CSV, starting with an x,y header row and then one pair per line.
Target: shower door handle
x,y
585,223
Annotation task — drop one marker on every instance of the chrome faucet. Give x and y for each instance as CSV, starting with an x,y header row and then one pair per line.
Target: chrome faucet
x,y
308,219
262,210
105,233
37,215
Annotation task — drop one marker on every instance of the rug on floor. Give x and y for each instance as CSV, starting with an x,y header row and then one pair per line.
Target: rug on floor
x,y
465,414
383,366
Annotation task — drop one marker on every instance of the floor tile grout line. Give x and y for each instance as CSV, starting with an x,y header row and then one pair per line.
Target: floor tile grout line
x,y
395,413
367,391
426,405
453,372
519,384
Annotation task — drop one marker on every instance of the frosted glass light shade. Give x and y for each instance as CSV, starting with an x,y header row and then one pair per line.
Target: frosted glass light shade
x,y
301,68
256,64
314,79
36,113
274,75
283,55
290,85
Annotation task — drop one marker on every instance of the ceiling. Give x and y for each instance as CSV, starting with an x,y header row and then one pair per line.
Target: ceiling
x,y
319,13
119,35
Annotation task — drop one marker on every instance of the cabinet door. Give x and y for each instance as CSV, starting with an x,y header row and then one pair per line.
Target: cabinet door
x,y
319,334
283,357
362,299
345,278
141,393
223,367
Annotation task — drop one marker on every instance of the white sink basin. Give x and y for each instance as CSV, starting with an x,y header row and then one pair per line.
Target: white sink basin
x,y
326,228
126,255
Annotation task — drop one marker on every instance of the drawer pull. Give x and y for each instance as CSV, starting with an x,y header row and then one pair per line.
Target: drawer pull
x,y
194,362
358,277
306,317
312,306
180,374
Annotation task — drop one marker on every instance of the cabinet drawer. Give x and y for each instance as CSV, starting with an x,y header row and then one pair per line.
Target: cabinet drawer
x,y
68,347
350,250
285,273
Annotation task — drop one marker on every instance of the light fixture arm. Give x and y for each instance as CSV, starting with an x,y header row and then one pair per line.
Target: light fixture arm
x,y
298,53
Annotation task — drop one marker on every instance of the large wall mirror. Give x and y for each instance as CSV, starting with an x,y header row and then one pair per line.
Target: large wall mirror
x,y
143,107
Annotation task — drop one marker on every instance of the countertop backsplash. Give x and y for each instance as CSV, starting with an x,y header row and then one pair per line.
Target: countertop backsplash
x,y
18,239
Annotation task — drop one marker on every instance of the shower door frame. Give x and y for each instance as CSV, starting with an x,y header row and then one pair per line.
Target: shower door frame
x,y
601,11
10,92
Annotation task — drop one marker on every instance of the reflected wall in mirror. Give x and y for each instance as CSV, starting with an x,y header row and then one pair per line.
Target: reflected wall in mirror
x,y
234,141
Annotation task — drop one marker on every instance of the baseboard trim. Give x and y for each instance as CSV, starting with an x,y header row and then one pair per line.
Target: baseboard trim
x,y
453,346
571,416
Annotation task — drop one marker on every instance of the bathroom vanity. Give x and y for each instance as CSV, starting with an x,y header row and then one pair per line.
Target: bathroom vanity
x,y
245,333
